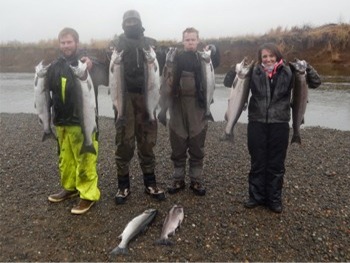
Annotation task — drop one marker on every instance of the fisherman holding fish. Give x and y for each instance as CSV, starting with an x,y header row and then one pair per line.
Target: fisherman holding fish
x,y
133,105
271,84
189,95
75,119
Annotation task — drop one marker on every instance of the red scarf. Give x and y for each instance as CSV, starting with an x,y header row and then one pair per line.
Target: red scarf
x,y
273,72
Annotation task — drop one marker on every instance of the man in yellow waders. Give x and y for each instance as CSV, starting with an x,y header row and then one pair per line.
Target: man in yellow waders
x,y
77,170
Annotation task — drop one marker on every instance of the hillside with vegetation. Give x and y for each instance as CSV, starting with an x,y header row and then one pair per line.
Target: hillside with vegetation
x,y
325,47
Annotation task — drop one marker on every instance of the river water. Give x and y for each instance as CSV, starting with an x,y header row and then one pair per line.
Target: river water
x,y
326,108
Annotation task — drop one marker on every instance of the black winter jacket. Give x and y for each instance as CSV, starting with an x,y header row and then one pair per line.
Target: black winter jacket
x,y
133,58
270,99
61,82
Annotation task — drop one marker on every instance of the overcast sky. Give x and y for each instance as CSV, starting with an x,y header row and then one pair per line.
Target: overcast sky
x,y
35,20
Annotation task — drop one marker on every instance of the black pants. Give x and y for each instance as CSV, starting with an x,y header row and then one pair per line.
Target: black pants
x,y
267,145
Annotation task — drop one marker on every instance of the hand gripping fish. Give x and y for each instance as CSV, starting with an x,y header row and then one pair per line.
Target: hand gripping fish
x,y
132,229
172,221
86,101
166,82
208,81
42,100
152,79
117,86
238,97
299,97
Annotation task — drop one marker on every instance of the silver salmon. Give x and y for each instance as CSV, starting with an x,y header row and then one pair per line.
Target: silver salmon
x,y
117,86
208,81
299,97
86,106
152,79
238,97
42,100
172,222
132,229
166,81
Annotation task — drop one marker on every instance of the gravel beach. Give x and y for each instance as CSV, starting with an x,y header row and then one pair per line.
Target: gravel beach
x,y
314,226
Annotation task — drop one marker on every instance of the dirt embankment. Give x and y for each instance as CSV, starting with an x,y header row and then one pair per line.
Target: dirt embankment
x,y
325,47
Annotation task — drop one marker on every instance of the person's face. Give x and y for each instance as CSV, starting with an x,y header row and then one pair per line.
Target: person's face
x,y
268,58
190,41
131,21
68,46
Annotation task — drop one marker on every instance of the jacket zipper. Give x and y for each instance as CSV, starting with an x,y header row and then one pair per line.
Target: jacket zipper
x,y
137,58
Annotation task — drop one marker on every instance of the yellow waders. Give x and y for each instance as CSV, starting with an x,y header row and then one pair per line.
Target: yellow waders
x,y
77,171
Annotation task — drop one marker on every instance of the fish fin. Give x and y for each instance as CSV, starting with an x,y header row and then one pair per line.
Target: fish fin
x,y
119,251
296,139
245,106
164,242
88,149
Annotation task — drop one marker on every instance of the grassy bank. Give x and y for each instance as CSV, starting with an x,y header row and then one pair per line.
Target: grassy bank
x,y
325,47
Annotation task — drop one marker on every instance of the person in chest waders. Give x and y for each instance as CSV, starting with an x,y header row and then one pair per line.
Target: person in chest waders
x,y
137,127
188,123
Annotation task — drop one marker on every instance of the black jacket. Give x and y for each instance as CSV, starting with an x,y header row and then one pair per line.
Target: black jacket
x,y
61,82
270,99
133,58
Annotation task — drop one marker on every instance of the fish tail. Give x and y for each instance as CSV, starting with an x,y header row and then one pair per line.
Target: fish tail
x,y
121,122
164,242
88,149
209,117
162,117
296,139
119,251
48,135
227,137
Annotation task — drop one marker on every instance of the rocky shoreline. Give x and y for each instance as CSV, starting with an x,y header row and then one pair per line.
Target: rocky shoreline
x,y
314,226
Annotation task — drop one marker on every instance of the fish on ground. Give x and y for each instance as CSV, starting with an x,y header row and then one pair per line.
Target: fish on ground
x,y
86,100
152,82
208,81
166,81
172,222
42,100
132,229
237,101
117,86
299,97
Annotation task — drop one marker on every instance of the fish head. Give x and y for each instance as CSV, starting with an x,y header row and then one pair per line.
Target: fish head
x,y
40,69
243,68
39,66
114,55
299,65
205,55
177,211
150,54
117,57
170,55
80,70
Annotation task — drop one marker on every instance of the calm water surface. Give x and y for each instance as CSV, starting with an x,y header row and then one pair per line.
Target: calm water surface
x,y
326,108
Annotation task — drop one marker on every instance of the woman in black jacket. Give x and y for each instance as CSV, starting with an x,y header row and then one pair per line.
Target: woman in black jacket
x,y
268,127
